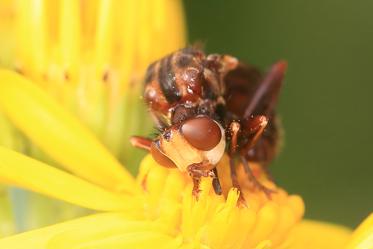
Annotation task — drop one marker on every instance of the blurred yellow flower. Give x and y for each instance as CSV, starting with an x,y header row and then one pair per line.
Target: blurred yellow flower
x,y
90,56
157,208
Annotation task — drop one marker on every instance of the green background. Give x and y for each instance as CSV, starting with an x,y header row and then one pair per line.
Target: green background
x,y
326,103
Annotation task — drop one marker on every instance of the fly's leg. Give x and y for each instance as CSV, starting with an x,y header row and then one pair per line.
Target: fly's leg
x,y
241,199
216,183
234,129
268,173
268,192
197,171
255,129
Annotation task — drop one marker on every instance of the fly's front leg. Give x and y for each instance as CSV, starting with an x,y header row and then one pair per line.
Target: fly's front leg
x,y
234,129
197,171
254,128
216,183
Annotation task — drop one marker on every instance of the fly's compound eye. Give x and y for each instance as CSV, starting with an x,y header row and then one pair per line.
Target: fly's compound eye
x,y
203,133
159,156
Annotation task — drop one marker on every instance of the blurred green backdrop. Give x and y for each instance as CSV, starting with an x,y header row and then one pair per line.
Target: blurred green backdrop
x,y
326,104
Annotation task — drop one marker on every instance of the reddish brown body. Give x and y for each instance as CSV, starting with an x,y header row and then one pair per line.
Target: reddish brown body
x,y
186,77
205,104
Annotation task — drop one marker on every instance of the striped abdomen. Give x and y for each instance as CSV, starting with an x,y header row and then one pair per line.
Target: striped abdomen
x,y
174,79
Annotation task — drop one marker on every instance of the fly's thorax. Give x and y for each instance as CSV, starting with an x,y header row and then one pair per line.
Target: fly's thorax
x,y
196,140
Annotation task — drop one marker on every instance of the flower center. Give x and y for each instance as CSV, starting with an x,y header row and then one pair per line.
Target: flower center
x,y
219,221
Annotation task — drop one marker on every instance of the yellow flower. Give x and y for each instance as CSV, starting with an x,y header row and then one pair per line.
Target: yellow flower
x,y
157,208
90,56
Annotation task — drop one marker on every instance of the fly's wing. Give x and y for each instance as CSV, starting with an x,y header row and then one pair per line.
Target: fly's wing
x,y
264,98
249,94
240,84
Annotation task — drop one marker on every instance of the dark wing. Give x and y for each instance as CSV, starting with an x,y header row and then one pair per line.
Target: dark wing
x,y
248,94
240,84
264,98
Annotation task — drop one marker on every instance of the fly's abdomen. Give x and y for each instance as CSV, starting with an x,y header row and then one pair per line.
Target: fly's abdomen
x,y
177,78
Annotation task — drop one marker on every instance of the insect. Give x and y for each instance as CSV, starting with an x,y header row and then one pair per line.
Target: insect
x,y
208,105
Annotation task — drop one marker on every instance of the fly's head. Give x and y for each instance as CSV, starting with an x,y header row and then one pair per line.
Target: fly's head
x,y
195,140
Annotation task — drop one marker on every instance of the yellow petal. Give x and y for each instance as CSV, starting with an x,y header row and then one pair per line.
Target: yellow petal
x,y
104,34
17,169
32,38
59,134
70,35
118,239
362,238
319,235
111,230
39,238
126,36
